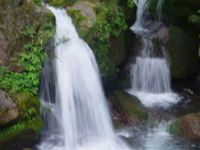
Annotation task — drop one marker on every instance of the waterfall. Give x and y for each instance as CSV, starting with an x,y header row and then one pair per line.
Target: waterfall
x,y
76,113
150,71
140,16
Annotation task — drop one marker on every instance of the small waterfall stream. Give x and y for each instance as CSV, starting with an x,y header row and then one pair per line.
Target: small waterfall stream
x,y
77,116
150,71
150,74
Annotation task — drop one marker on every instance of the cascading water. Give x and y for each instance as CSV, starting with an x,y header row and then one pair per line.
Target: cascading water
x,y
77,115
150,71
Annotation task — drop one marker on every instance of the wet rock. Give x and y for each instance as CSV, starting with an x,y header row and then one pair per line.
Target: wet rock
x,y
183,50
126,109
187,126
8,109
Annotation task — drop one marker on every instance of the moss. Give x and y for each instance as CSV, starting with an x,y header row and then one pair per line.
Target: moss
x,y
25,132
29,106
128,105
175,127
78,18
60,3
38,2
21,134
12,131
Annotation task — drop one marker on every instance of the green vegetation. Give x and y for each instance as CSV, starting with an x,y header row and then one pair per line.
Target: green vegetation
x,y
60,2
195,18
29,106
78,18
29,123
38,2
130,3
110,23
175,127
30,61
11,132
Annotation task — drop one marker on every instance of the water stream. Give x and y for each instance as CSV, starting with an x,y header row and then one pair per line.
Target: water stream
x,y
151,71
77,116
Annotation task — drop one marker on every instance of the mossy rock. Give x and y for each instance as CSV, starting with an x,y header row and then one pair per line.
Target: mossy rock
x,y
187,126
175,127
24,134
183,50
83,14
127,108
29,106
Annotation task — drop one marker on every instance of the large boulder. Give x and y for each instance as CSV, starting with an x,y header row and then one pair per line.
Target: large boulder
x,y
8,109
83,13
187,126
21,135
183,50
25,131
126,109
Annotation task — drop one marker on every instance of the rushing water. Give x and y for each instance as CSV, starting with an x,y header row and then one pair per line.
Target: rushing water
x,y
150,72
77,117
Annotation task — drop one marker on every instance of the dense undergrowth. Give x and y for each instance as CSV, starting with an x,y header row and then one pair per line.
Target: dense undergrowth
x,y
110,23
30,59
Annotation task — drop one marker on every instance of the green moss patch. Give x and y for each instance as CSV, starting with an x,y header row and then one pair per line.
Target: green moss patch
x,y
23,133
175,127
60,3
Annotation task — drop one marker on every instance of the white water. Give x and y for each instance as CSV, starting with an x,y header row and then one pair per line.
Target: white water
x,y
160,139
150,73
140,16
80,106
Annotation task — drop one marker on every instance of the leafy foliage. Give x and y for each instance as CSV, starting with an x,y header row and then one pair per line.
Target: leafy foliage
x,y
110,23
38,2
130,3
195,19
12,131
30,59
